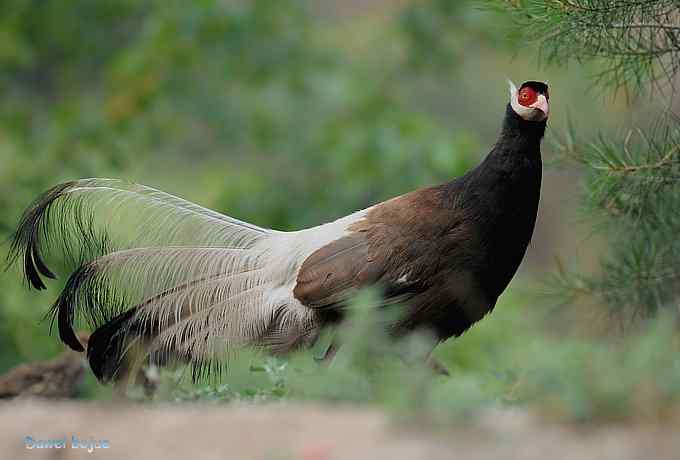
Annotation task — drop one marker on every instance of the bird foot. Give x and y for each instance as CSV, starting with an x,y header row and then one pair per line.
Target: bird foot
x,y
437,367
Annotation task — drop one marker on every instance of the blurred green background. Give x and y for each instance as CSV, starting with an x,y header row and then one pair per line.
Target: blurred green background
x,y
288,113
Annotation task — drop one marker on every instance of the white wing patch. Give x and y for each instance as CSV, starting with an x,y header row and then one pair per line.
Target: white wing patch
x,y
285,252
256,297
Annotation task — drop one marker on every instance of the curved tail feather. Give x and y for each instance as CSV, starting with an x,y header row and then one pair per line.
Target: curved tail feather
x,y
151,272
145,264
75,222
106,345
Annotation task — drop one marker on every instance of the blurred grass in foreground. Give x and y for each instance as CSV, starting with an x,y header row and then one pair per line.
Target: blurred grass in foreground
x,y
500,363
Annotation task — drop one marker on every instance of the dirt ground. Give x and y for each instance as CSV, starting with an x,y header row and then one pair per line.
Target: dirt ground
x,y
309,432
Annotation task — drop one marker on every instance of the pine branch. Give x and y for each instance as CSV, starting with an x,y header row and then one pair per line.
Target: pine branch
x,y
632,188
635,41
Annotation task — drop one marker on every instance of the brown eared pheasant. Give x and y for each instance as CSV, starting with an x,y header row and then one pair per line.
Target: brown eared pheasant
x,y
182,282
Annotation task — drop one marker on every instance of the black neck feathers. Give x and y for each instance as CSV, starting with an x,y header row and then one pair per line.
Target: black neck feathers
x,y
519,142
512,168
514,126
501,196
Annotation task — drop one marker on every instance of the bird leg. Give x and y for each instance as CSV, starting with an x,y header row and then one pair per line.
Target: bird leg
x,y
434,364
326,358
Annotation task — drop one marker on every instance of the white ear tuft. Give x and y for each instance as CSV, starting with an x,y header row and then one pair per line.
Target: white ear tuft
x,y
513,89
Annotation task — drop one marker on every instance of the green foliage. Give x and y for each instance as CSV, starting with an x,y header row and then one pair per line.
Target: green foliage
x,y
442,33
592,380
631,186
632,191
634,41
502,363
428,27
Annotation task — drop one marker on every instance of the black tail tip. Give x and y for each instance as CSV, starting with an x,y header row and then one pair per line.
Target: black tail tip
x,y
71,339
27,238
106,347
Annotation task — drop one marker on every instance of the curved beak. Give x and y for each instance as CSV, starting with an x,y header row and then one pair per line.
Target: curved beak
x,y
542,105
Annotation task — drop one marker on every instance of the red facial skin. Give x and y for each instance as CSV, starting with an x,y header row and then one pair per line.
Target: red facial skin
x,y
527,96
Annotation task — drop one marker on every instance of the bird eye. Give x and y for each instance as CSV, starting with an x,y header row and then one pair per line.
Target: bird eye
x,y
527,96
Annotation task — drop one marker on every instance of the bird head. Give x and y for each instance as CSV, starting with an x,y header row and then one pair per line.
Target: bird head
x,y
530,101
